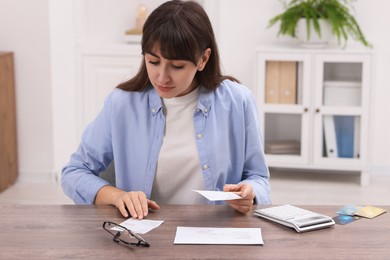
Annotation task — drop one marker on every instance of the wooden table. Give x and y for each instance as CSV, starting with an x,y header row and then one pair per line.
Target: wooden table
x,y
71,231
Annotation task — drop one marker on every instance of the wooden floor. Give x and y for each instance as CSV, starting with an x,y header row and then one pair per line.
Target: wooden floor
x,y
287,188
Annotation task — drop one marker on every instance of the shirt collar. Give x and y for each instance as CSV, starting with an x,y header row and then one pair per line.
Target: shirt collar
x,y
206,97
155,102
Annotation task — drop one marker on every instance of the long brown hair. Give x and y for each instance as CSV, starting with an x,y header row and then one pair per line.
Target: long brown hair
x,y
183,31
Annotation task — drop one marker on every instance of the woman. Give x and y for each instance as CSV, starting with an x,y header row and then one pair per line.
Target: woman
x,y
177,126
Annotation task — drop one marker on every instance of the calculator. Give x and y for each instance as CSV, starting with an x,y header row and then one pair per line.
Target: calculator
x,y
300,219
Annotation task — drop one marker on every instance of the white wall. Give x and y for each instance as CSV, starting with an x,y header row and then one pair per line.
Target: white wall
x,y
375,19
24,30
63,87
43,36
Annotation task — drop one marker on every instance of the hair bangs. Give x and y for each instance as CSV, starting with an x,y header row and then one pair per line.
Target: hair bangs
x,y
174,40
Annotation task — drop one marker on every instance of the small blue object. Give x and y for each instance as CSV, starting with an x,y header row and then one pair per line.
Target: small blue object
x,y
344,219
348,210
345,135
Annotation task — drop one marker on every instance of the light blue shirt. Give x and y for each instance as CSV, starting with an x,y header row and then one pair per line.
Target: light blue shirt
x,y
130,128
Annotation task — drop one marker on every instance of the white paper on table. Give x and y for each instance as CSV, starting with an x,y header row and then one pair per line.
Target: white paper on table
x,y
218,195
218,236
140,226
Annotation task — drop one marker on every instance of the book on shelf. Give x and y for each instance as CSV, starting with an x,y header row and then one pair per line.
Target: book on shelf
x,y
341,134
281,82
272,82
283,147
345,135
330,137
288,82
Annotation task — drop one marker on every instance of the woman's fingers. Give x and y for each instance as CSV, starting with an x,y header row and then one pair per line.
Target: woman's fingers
x,y
134,203
245,190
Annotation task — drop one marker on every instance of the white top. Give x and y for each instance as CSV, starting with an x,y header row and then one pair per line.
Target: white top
x,y
178,169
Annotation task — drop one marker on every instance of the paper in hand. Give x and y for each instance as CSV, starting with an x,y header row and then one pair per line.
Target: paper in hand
x,y
218,195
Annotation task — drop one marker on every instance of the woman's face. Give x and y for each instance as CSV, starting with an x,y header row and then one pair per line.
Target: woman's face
x,y
173,78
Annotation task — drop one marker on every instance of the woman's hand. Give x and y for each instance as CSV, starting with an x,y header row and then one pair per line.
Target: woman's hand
x,y
244,190
133,202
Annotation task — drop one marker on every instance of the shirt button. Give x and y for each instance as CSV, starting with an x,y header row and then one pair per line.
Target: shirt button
x,y
153,110
199,136
205,110
205,167
197,110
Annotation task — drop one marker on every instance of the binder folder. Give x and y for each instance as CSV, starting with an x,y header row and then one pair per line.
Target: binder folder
x,y
330,137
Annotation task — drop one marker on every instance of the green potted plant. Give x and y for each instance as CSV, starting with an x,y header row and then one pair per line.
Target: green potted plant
x,y
320,15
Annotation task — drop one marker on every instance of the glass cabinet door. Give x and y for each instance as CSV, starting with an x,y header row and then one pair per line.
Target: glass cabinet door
x,y
284,101
340,97
283,134
342,84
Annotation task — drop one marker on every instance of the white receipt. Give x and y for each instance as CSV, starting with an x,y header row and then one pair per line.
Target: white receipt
x,y
140,226
218,236
218,195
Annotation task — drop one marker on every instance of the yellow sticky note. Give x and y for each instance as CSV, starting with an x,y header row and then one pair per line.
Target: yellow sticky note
x,y
370,212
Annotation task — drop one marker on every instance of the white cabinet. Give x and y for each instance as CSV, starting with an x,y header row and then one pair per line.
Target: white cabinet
x,y
315,108
101,70
101,74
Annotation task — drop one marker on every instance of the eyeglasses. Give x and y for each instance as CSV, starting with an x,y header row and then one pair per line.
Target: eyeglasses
x,y
123,235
